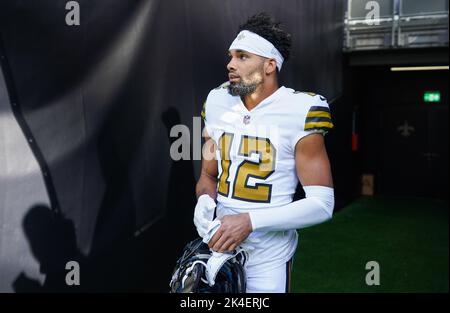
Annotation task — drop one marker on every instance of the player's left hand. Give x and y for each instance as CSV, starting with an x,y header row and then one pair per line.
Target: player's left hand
x,y
233,230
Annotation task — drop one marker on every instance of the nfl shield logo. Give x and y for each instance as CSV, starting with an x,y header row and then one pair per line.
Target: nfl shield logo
x,y
246,119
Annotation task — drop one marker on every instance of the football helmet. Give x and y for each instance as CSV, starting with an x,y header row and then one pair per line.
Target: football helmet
x,y
190,273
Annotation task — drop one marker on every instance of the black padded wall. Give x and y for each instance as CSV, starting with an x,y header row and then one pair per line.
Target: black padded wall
x,y
95,103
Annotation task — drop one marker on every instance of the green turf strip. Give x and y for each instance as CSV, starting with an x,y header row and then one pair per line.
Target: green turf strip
x,y
407,237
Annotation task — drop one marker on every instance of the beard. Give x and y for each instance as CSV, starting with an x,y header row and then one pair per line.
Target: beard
x,y
243,88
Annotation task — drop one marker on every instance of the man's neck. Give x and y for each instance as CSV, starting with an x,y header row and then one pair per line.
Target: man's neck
x,y
262,92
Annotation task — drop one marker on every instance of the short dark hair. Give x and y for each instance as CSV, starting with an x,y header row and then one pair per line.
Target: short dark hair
x,y
265,26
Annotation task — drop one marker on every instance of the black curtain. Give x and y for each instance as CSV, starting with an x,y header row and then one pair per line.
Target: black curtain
x,y
99,100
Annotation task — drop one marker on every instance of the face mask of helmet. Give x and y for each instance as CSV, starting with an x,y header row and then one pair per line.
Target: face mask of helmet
x,y
189,273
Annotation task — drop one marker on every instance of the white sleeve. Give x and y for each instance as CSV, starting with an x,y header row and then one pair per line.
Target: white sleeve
x,y
316,208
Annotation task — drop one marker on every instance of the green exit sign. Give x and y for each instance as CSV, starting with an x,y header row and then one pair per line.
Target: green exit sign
x,y
432,96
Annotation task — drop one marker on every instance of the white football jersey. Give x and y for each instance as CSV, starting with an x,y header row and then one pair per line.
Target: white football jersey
x,y
256,149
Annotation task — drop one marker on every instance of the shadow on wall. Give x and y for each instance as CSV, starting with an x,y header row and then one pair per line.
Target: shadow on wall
x,y
52,241
118,261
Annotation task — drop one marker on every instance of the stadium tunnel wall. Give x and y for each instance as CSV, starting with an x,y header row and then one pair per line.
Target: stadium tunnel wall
x,y
412,158
86,113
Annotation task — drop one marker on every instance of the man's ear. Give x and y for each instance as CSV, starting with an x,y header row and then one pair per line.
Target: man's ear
x,y
270,66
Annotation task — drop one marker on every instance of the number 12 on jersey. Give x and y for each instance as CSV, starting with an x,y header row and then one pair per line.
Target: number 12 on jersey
x,y
247,169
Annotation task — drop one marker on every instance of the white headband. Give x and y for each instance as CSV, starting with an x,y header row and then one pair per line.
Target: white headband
x,y
258,45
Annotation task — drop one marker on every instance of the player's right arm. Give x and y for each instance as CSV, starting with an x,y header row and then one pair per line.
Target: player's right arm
x,y
207,183
206,189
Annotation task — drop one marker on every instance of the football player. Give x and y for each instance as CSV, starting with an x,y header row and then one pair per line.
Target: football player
x,y
265,139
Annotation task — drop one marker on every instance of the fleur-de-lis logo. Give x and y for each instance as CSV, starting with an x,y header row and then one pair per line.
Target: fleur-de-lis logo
x,y
241,36
405,129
